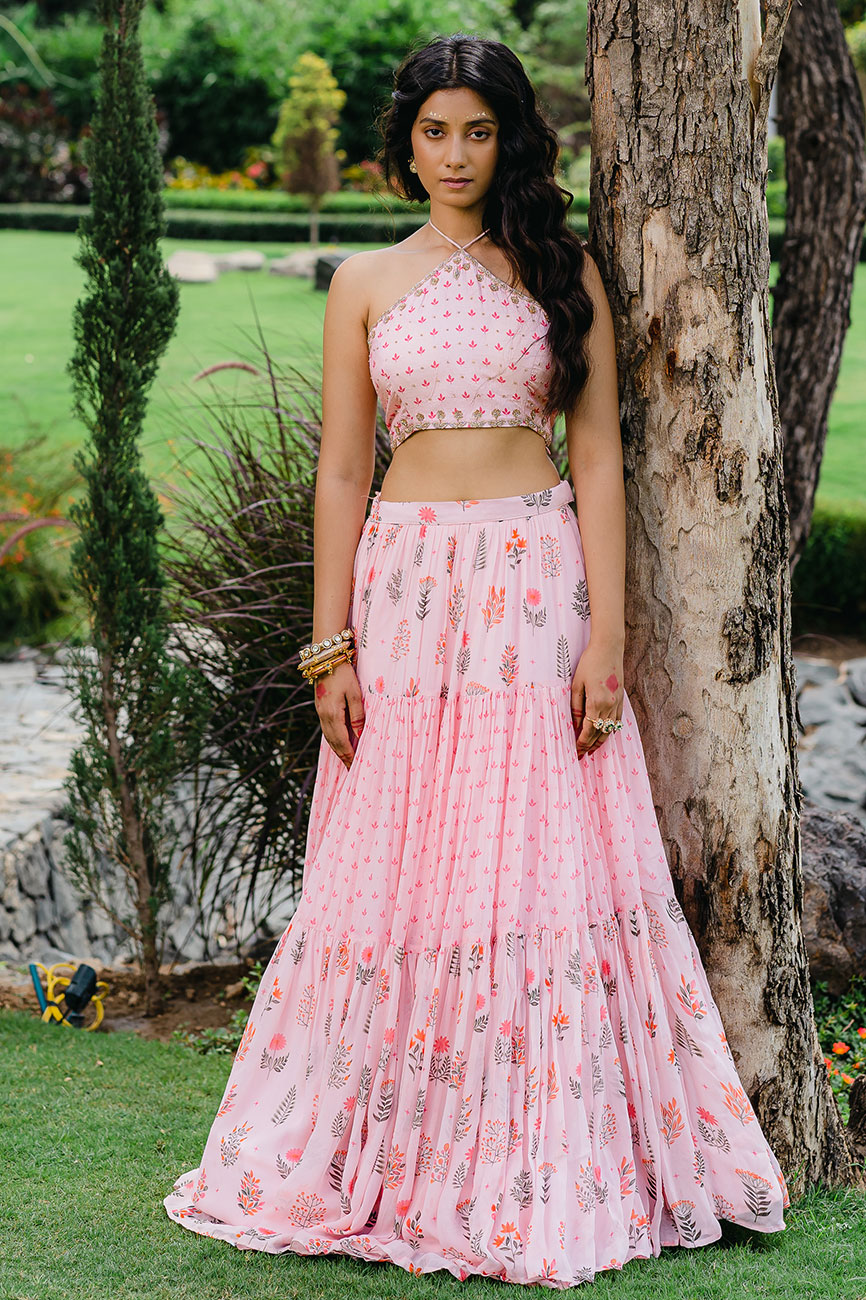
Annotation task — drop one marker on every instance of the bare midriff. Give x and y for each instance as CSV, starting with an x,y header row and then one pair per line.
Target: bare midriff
x,y
464,464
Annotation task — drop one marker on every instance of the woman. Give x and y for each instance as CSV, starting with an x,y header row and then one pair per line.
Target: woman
x,y
486,1041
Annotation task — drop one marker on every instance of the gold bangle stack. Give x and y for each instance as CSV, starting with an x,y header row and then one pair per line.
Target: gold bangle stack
x,y
323,656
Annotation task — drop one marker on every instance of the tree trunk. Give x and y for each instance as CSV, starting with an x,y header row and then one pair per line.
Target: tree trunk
x,y
678,227
135,857
821,118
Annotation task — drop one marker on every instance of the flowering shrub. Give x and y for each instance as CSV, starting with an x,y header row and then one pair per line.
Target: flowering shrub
x,y
184,175
842,1031
35,538
364,177
39,158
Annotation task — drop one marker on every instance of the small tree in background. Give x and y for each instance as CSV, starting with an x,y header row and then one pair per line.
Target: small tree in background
x,y
141,708
306,134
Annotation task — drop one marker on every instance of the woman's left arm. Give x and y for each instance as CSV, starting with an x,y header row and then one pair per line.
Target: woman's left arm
x,y
595,459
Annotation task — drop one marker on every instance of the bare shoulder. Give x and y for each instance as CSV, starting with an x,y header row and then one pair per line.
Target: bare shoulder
x,y
591,275
361,278
354,273
364,269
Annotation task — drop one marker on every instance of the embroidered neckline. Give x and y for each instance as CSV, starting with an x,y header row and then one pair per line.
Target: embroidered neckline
x,y
461,252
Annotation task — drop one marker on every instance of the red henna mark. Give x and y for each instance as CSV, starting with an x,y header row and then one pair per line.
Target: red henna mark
x,y
320,690
612,683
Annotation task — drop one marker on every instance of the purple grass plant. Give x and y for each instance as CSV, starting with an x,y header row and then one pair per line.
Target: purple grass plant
x,y
240,575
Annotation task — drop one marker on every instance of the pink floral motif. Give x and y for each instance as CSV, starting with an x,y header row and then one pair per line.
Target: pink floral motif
x,y
486,1015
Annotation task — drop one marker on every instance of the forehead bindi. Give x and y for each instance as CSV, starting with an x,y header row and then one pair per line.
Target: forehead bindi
x,y
464,109
477,119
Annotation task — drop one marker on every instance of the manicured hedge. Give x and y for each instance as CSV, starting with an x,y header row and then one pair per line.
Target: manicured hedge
x,y
829,586
230,220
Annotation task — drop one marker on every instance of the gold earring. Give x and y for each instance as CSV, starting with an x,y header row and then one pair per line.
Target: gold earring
x,y
412,166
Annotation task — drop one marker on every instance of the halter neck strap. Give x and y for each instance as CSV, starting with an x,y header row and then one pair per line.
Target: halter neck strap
x,y
462,247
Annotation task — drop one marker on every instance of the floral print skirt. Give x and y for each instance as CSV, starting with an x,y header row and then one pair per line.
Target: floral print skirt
x,y
485,1042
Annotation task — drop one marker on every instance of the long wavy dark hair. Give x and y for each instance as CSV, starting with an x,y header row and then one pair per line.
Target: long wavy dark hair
x,y
526,207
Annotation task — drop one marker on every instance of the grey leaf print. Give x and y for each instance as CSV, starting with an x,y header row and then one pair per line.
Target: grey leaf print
x,y
563,658
538,499
580,599
479,560
395,585
425,586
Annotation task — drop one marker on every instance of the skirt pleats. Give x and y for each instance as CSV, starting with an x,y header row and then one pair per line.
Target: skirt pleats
x,y
485,1042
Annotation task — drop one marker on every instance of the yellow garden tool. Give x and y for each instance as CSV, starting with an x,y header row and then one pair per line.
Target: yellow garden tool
x,y
67,995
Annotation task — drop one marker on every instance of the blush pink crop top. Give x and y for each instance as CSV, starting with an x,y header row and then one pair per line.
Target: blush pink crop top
x,y
461,349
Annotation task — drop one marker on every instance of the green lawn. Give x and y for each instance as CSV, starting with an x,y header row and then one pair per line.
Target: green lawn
x,y
97,1126
218,322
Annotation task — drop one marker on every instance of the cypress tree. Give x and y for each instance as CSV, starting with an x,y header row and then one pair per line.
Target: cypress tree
x,y
141,708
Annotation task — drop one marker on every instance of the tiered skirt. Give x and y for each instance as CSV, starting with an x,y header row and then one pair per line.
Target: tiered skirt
x,y
485,1042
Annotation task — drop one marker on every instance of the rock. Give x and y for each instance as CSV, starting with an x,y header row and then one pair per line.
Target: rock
x,y
325,268
827,703
34,867
814,672
192,266
235,990
243,259
834,894
856,680
304,261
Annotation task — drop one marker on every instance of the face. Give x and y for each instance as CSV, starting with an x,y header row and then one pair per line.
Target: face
x,y
455,144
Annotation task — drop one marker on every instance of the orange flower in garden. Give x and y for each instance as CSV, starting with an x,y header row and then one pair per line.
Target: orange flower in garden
x,y
862,1032
847,1078
841,1048
828,1062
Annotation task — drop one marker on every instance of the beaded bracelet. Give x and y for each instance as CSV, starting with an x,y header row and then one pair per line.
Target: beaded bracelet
x,y
322,666
322,656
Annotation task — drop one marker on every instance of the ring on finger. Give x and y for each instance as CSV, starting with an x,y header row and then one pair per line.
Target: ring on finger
x,y
606,725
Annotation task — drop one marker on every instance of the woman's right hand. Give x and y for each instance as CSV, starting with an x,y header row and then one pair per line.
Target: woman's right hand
x,y
340,706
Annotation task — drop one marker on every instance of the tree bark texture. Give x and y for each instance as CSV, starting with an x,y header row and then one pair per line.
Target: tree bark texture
x,y
678,227
821,119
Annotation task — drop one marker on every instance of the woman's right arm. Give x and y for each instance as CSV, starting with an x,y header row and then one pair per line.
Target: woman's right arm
x,y
343,479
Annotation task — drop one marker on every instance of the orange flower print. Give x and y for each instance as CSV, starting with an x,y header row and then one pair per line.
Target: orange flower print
x,y
672,1121
508,666
395,1170
509,1241
690,999
230,1143
738,1103
401,640
560,1022
427,514
515,548
493,610
250,1193
228,1100
246,1039
273,1057
307,1211
551,556
274,995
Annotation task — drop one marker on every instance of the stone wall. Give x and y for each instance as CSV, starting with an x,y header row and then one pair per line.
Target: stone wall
x,y
44,917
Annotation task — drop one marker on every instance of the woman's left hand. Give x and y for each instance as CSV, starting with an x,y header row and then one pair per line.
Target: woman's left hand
x,y
596,692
